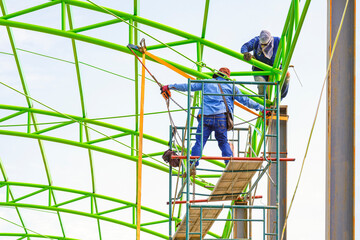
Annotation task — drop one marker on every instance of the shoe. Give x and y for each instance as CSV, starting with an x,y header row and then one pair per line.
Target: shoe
x,y
193,172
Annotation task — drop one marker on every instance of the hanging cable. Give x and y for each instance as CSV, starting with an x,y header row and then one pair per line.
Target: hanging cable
x,y
24,227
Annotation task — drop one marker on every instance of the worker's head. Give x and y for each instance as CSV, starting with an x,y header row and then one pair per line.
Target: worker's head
x,y
222,72
265,37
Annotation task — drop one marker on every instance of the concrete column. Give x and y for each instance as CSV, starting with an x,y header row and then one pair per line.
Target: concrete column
x,y
340,148
271,216
241,228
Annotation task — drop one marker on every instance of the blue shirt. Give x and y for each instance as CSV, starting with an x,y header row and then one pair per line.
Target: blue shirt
x,y
253,44
215,104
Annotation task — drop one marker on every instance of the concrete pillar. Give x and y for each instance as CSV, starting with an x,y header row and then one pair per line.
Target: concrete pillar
x,y
271,216
340,148
241,227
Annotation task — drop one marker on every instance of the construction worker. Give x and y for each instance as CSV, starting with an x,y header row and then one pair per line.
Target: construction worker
x,y
214,110
264,47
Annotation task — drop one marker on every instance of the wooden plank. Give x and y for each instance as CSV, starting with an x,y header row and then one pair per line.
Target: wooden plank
x,y
231,184
194,223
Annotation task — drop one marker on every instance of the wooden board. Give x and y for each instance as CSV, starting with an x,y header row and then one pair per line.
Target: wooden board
x,y
233,183
194,223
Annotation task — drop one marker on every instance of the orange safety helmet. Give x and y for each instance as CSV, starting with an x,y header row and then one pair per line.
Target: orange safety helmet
x,y
224,70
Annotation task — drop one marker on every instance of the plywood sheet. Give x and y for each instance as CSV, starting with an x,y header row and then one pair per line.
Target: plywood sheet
x,y
194,223
231,184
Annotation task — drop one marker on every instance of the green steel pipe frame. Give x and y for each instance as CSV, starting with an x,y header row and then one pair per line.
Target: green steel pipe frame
x,y
289,39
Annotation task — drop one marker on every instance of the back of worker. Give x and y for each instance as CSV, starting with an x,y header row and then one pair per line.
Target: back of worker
x,y
214,110
214,104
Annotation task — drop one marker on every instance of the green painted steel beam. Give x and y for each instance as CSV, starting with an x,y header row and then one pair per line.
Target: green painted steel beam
x,y
33,235
70,201
293,44
3,172
12,116
29,103
118,47
9,194
155,222
206,14
171,44
106,138
63,16
80,119
248,73
31,9
94,26
79,213
95,148
114,210
175,32
29,195
53,127
89,194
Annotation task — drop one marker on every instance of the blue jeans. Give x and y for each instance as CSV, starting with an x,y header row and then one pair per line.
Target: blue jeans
x,y
212,123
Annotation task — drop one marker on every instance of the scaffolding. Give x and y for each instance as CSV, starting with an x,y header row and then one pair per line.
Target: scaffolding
x,y
235,181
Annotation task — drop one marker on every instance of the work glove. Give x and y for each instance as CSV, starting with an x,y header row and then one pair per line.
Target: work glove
x,y
165,92
174,162
267,113
247,56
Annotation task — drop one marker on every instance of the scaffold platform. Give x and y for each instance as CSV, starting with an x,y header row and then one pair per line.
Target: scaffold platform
x,y
194,223
234,180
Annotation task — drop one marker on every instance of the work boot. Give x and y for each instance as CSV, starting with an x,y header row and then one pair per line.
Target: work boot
x,y
193,172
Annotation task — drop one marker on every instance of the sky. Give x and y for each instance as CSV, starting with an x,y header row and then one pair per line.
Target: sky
x,y
53,82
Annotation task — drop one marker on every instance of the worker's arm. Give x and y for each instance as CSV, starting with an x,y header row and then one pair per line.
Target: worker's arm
x,y
249,46
247,101
183,87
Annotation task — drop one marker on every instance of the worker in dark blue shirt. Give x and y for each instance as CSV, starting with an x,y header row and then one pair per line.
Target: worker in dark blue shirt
x,y
264,47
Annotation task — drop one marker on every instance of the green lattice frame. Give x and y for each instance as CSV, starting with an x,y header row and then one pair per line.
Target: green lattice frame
x,y
289,38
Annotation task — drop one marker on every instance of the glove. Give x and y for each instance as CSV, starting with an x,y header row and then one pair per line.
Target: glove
x,y
247,56
165,92
268,113
174,162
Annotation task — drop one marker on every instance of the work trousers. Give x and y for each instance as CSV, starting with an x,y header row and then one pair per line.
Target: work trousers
x,y
216,123
284,89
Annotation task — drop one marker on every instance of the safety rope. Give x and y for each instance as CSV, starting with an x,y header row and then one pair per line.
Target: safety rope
x,y
24,228
315,118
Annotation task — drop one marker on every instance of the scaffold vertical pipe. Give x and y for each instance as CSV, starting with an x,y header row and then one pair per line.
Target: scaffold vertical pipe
x,y
170,186
188,161
277,160
340,148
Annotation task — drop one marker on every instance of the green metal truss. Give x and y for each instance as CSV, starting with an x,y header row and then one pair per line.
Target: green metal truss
x,y
40,131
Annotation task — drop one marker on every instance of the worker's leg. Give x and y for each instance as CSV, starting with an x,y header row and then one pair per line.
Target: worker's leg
x,y
208,128
221,136
285,87
260,87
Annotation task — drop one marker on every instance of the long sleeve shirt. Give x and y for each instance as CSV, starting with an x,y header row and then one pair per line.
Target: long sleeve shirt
x,y
214,104
253,44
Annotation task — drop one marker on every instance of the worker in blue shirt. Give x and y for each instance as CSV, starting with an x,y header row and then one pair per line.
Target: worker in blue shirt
x,y
264,47
214,110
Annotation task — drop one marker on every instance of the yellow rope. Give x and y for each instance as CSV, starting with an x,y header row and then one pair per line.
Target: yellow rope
x,y
316,114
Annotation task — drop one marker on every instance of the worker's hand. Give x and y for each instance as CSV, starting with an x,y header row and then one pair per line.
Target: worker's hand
x,y
247,56
165,92
268,113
